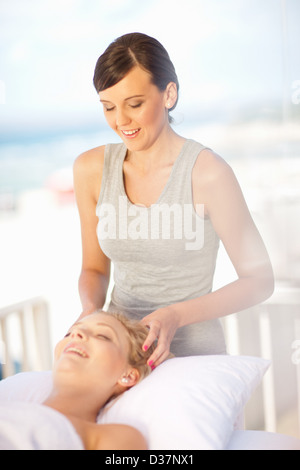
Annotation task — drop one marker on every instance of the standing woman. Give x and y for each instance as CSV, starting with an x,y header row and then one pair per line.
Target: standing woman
x,y
142,201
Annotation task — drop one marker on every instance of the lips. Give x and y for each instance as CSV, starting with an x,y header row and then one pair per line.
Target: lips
x,y
130,134
76,349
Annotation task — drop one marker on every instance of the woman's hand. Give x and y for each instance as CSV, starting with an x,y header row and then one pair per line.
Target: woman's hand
x,y
162,324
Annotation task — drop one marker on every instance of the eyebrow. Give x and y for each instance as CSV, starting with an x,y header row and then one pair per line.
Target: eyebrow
x,y
126,99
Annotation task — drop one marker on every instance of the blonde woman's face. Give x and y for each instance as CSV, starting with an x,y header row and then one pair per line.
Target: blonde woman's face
x,y
135,109
95,349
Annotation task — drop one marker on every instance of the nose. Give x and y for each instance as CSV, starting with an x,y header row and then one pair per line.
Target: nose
x,y
122,119
78,333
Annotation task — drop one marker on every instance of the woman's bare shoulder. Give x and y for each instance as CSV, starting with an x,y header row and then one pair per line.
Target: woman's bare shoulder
x,y
87,173
210,166
114,437
212,176
90,160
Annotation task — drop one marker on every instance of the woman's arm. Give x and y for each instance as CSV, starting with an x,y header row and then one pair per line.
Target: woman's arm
x,y
226,207
94,277
215,186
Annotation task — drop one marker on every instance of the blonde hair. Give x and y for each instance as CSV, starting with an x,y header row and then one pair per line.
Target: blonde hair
x,y
137,334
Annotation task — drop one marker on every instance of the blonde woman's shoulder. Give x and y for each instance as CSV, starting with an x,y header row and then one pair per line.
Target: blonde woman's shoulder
x,y
115,437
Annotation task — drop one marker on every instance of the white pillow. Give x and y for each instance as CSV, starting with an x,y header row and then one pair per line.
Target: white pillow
x,y
189,403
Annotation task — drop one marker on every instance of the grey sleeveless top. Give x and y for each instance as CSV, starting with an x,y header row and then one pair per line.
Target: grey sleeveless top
x,y
162,254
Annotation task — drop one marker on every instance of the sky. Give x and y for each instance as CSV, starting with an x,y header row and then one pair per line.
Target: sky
x,y
228,54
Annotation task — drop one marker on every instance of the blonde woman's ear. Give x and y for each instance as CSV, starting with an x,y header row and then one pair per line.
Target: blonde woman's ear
x,y
130,378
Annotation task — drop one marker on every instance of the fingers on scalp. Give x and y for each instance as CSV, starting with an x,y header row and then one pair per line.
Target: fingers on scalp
x,y
160,354
154,329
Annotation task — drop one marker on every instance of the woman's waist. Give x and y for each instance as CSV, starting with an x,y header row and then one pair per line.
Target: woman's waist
x,y
130,305
137,306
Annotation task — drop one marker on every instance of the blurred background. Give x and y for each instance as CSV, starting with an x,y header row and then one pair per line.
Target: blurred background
x,y
239,71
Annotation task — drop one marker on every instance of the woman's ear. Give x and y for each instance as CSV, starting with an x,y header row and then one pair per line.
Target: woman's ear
x,y
171,95
129,378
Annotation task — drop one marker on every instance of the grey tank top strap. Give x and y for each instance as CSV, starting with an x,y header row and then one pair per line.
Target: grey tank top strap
x,y
180,188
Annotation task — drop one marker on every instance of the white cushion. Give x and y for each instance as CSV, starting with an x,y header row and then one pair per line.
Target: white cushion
x,y
189,403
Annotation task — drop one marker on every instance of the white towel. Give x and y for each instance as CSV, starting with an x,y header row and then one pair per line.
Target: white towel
x,y
31,426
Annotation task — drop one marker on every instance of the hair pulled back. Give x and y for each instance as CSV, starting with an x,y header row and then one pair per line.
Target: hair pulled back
x,y
129,51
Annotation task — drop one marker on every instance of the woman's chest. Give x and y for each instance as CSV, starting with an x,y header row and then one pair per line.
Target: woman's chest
x,y
145,188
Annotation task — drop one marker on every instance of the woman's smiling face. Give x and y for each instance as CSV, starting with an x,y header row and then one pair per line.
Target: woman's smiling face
x,y
136,109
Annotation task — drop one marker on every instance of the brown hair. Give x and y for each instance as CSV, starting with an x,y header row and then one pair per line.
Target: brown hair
x,y
128,51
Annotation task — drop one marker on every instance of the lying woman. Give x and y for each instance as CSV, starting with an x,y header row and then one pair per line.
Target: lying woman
x,y
100,357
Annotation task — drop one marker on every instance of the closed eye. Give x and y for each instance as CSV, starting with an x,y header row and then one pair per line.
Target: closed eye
x,y
101,336
136,105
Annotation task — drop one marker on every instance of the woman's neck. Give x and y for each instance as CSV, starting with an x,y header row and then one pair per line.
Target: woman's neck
x,y
74,405
163,152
